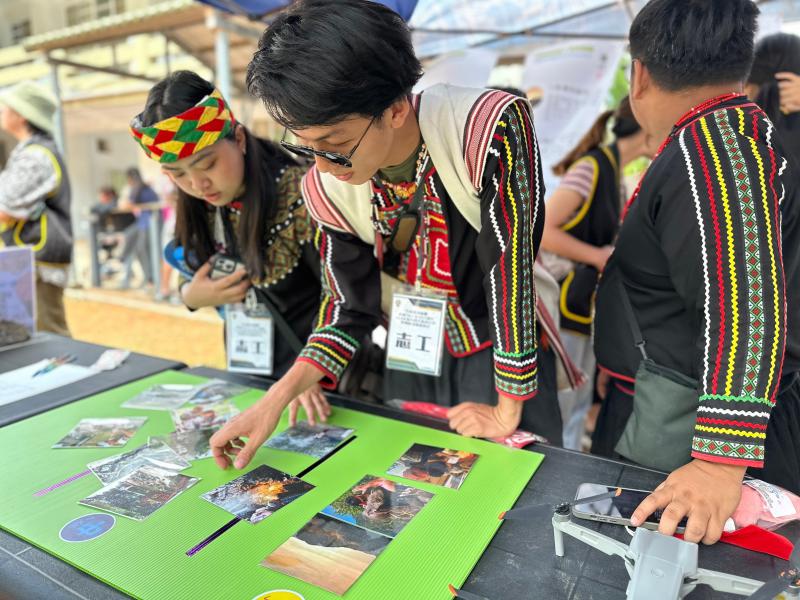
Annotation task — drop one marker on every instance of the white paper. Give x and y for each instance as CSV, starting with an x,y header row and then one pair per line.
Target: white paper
x,y
20,383
573,80
467,68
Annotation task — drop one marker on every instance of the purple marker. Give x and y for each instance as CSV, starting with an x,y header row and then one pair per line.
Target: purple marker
x,y
55,486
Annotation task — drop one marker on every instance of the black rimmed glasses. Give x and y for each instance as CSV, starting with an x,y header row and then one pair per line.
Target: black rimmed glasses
x,y
343,160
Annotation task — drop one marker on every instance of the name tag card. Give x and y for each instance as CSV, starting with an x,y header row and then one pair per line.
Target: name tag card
x,y
250,338
416,334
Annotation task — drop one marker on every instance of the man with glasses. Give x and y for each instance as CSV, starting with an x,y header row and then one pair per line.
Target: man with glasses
x,y
441,192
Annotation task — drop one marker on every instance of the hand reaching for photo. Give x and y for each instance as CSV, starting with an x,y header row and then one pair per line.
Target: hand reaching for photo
x,y
228,445
314,403
238,441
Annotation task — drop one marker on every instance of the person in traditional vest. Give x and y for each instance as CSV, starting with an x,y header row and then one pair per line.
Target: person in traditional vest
x,y
35,198
442,191
238,195
580,226
697,310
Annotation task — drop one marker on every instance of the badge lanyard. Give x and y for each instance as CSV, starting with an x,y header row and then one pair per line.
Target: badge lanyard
x,y
249,326
416,328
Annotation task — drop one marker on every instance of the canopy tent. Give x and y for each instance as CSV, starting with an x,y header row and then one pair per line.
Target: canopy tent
x,y
222,34
257,10
443,26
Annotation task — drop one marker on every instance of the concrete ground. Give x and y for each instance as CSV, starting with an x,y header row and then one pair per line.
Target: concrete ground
x,y
134,320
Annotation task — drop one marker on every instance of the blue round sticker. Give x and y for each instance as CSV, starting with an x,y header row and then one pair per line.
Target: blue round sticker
x,y
87,527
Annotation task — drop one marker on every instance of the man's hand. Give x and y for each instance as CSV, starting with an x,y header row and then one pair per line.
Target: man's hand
x,y
228,445
203,291
705,492
313,402
482,420
6,219
256,424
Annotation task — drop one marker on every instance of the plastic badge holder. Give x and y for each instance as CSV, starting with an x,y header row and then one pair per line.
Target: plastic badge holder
x,y
764,505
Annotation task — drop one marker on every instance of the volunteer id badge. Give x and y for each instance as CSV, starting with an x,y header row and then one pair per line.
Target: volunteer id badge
x,y
416,334
250,337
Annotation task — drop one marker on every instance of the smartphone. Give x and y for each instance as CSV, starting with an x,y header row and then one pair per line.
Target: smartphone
x,y
222,266
616,510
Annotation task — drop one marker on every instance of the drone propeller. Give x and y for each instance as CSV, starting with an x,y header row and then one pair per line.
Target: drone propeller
x,y
787,579
463,595
542,510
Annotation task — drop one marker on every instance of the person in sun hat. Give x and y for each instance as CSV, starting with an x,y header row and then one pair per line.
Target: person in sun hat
x,y
35,197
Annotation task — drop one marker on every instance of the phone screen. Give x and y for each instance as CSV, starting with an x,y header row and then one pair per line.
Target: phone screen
x,y
619,509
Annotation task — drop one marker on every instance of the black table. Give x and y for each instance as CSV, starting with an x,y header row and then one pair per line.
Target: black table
x,y
519,564
48,345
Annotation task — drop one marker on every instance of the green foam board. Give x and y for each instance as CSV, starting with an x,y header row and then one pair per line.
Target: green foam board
x,y
148,559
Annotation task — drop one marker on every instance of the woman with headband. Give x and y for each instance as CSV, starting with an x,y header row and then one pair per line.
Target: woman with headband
x,y
239,203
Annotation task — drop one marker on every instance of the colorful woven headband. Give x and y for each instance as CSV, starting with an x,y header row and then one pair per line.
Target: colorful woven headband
x,y
187,133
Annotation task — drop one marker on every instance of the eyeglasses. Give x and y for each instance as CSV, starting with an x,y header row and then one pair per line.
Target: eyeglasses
x,y
343,160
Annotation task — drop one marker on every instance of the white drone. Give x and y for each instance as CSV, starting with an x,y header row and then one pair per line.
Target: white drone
x,y
661,567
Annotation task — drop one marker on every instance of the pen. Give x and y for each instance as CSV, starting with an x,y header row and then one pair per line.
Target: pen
x,y
55,363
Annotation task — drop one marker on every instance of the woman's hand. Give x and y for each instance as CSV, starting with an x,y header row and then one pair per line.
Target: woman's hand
x,y
203,291
601,256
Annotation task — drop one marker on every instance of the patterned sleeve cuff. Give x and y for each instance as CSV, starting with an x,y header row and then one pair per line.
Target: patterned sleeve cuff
x,y
330,350
731,429
515,374
727,453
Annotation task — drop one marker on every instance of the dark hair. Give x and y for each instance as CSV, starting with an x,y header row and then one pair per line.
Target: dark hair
x,y
134,174
36,130
774,54
323,60
690,43
625,125
262,162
